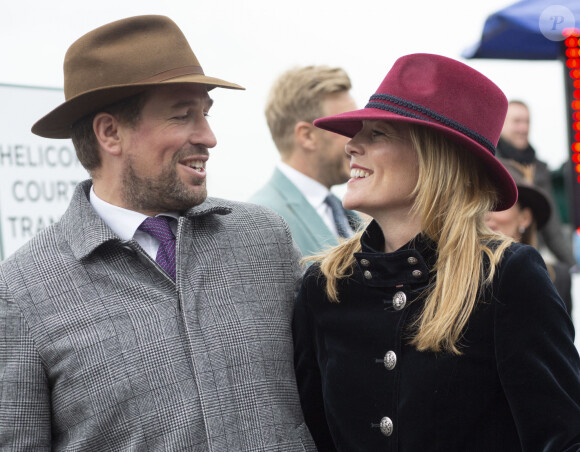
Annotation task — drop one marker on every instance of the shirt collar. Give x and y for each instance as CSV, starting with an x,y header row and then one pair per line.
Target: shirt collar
x,y
123,222
85,231
314,192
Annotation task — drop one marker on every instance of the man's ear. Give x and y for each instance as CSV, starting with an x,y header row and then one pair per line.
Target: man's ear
x,y
305,135
106,128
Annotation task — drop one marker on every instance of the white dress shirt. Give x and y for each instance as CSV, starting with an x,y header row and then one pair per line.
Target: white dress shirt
x,y
314,192
125,222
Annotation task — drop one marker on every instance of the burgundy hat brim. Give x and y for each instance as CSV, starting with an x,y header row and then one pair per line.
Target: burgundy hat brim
x,y
350,123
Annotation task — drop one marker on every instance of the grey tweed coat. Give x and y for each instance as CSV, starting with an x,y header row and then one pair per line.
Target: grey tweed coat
x,y
101,350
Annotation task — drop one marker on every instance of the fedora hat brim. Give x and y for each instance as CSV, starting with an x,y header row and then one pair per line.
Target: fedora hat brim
x,y
350,123
529,194
58,123
537,201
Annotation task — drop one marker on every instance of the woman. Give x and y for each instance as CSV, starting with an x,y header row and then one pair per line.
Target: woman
x,y
522,221
428,331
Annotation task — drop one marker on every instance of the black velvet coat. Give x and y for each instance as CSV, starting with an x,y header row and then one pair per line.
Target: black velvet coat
x,y
363,388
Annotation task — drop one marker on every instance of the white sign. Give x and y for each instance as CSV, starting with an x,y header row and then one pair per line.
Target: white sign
x,y
37,175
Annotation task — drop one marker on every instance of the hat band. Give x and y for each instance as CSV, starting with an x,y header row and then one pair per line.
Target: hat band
x,y
430,115
172,73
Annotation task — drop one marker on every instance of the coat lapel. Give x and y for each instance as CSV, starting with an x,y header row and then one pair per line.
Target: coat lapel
x,y
306,216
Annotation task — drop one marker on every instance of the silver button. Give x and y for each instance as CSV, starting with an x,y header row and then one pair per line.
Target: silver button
x,y
368,274
412,260
399,300
390,360
365,262
417,273
386,426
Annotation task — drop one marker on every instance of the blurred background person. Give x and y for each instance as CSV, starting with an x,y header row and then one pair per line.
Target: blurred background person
x,y
312,160
524,219
514,145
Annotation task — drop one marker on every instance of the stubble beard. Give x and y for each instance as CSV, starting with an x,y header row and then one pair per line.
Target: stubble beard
x,y
333,171
166,193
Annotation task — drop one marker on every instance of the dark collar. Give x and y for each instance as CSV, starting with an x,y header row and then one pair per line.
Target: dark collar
x,y
524,156
410,266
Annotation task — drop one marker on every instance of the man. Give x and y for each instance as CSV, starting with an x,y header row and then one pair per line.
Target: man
x,y
514,145
148,317
312,160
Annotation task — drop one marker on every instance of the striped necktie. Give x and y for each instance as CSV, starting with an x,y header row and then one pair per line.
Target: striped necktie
x,y
340,219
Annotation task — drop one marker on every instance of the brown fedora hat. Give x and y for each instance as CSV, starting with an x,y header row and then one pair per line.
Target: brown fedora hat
x,y
119,60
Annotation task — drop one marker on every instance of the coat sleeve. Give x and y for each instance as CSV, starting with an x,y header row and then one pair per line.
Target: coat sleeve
x,y
553,232
556,241
308,374
537,360
25,422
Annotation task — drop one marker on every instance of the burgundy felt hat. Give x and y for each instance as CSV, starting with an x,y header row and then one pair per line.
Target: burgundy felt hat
x,y
445,95
119,60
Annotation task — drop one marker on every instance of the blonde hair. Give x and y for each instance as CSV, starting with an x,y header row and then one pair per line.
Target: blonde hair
x,y
297,95
452,196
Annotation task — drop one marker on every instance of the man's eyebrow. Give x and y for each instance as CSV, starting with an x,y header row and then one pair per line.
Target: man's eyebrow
x,y
208,101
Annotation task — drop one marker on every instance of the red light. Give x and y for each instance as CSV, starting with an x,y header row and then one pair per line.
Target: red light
x,y
571,42
576,117
578,168
576,148
577,137
570,31
575,73
579,179
573,63
572,52
578,231
577,84
576,94
576,126
576,105
576,158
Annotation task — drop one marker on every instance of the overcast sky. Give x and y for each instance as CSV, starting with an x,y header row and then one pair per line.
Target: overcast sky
x,y
251,42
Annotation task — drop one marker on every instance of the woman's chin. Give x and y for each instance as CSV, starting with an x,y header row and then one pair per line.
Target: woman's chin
x,y
349,203
353,204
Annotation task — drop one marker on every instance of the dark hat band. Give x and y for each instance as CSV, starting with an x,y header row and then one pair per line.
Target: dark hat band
x,y
428,115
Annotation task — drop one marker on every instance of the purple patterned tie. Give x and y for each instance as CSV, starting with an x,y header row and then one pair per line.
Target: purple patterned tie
x,y
159,228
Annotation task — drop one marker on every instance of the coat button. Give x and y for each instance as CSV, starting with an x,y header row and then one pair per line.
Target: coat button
x,y
368,274
417,273
386,426
390,360
399,300
412,260
365,262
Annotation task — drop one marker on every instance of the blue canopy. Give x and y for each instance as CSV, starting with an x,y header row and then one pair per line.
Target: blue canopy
x,y
514,32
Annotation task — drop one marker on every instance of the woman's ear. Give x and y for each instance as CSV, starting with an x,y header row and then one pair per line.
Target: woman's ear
x,y
525,218
106,130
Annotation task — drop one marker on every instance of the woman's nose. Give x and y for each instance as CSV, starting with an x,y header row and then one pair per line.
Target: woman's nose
x,y
353,146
